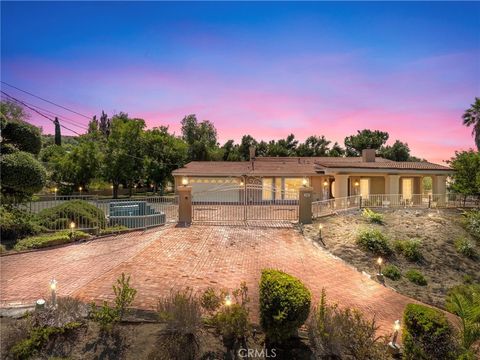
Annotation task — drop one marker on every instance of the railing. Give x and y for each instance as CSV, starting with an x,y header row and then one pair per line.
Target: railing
x,y
331,206
57,213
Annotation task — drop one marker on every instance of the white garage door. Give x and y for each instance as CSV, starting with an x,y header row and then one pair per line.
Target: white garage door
x,y
225,190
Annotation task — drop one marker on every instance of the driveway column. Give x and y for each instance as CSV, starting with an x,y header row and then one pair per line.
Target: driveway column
x,y
439,189
184,204
305,205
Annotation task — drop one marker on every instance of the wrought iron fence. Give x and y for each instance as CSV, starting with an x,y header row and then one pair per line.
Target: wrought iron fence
x,y
57,213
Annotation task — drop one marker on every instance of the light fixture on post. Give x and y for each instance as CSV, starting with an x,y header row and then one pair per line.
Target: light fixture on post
x,y
184,181
394,347
320,234
72,228
53,289
228,300
304,182
55,189
379,263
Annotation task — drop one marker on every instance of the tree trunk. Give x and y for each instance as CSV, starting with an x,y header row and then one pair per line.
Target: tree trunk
x,y
115,191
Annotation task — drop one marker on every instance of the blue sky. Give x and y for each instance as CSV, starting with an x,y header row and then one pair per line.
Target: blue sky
x,y
267,69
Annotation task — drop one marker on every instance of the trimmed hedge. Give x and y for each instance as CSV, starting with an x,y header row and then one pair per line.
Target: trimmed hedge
x,y
284,304
24,136
16,223
84,214
46,240
427,335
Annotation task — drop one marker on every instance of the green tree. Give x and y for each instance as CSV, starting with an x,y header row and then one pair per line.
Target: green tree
x,y
314,146
471,117
164,153
16,131
58,133
399,151
336,150
201,138
244,148
124,151
466,178
231,151
365,139
22,175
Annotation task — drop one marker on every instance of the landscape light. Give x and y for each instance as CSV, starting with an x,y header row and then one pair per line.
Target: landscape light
x,y
72,225
228,300
53,288
393,344
379,263
185,181
55,189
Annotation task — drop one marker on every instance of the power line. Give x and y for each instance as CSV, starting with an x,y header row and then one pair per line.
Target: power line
x,y
63,118
50,102
38,112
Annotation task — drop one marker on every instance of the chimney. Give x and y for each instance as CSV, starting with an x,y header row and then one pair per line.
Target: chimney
x,y
368,155
252,152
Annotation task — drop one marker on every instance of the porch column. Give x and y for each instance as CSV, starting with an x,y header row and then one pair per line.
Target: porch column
x,y
392,188
341,186
305,205
439,189
184,204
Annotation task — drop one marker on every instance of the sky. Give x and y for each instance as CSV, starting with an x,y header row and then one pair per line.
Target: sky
x,y
266,69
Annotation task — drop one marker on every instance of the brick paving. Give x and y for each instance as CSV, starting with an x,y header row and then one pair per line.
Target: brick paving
x,y
198,256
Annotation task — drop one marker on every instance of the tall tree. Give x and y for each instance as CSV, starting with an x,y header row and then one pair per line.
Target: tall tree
x,y
471,117
314,146
124,151
104,124
164,153
231,151
244,148
466,178
58,132
201,138
399,151
365,139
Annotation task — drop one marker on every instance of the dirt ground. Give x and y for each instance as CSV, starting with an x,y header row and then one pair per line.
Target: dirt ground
x,y
442,265
144,340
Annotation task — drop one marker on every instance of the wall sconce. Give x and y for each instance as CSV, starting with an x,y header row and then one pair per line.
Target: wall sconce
x,y
325,183
184,181
357,184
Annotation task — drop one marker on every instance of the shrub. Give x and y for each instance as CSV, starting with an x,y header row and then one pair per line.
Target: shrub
x,y
16,223
284,304
24,136
181,312
210,300
232,321
372,216
52,239
472,222
375,241
392,272
343,334
465,247
113,230
108,316
464,301
427,334
416,277
84,215
22,175
410,249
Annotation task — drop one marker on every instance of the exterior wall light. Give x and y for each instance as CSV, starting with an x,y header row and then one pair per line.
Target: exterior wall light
x,y
184,181
325,183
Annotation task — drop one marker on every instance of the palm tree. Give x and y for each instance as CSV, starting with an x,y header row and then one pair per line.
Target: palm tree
x,y
471,117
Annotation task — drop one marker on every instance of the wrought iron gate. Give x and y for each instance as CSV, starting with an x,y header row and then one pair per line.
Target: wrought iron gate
x,y
245,202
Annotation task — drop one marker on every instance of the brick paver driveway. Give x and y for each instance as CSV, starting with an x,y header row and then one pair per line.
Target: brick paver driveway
x,y
195,257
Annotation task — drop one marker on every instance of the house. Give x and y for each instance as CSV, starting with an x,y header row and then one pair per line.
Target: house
x,y
279,178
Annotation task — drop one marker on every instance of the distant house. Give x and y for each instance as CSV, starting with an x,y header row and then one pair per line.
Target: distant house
x,y
330,177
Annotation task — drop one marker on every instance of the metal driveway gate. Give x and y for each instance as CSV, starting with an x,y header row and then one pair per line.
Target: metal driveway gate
x,y
245,202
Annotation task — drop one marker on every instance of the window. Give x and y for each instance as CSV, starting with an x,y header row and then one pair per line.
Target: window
x,y
365,187
267,188
407,188
291,187
278,188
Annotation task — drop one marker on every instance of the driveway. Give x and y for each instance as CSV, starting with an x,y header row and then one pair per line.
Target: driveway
x,y
198,257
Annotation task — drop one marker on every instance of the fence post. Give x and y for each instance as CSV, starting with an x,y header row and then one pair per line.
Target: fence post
x,y
429,201
305,205
360,202
184,204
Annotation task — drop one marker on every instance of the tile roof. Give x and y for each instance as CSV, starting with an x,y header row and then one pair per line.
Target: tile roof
x,y
296,166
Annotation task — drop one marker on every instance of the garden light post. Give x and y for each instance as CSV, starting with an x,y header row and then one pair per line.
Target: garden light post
x,y
228,300
53,289
379,263
394,347
320,234
111,187
80,189
55,192
72,228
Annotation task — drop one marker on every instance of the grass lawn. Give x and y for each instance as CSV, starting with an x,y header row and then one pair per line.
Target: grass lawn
x,y
433,233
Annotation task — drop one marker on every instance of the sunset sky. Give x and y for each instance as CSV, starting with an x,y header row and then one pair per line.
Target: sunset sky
x,y
265,69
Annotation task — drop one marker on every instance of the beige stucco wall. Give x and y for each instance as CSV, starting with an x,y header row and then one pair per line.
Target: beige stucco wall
x,y
377,185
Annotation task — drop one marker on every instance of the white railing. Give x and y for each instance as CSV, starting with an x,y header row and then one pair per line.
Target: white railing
x,y
331,206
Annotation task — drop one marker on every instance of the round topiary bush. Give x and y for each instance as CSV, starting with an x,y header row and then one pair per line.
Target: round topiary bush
x,y
22,175
284,304
82,213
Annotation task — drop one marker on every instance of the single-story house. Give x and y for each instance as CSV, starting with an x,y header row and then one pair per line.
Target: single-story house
x,y
330,177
